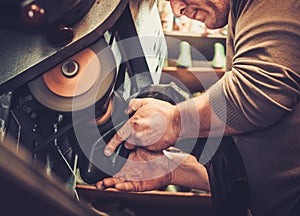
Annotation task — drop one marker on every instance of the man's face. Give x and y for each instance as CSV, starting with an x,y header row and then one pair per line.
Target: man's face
x,y
214,13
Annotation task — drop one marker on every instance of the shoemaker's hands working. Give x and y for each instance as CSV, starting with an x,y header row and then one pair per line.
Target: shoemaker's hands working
x,y
155,125
142,171
145,170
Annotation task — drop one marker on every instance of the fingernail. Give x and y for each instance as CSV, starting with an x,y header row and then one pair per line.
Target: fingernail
x,y
107,152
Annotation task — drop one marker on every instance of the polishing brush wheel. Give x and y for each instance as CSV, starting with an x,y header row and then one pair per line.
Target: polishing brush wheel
x,y
78,82
74,76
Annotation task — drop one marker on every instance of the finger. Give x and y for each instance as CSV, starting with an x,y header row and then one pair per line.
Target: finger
x,y
122,135
111,182
135,104
128,186
111,189
108,183
100,186
137,186
129,146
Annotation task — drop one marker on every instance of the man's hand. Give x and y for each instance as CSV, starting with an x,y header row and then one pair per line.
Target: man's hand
x,y
142,171
146,170
155,125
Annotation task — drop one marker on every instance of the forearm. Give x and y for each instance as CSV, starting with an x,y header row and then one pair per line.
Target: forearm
x,y
190,173
197,119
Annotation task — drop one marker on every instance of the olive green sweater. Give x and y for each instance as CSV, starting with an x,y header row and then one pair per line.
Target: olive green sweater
x,y
259,95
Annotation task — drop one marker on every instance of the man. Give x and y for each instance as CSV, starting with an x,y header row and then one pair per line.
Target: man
x,y
260,92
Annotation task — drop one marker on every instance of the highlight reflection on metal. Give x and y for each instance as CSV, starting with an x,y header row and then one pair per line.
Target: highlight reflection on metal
x,y
70,68
19,130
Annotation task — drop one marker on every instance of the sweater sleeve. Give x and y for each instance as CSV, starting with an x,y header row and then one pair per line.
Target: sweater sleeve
x,y
264,81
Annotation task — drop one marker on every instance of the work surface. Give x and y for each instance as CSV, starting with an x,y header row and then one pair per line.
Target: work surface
x,y
147,203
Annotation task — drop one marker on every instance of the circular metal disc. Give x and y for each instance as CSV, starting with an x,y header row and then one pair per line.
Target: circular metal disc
x,y
88,71
97,73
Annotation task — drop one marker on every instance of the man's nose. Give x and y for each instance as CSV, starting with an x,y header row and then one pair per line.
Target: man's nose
x,y
178,7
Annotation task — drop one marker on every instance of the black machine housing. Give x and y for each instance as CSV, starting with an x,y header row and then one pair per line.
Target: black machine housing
x,y
46,133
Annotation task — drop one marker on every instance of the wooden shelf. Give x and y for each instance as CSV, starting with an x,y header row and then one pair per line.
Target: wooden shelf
x,y
149,203
194,79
